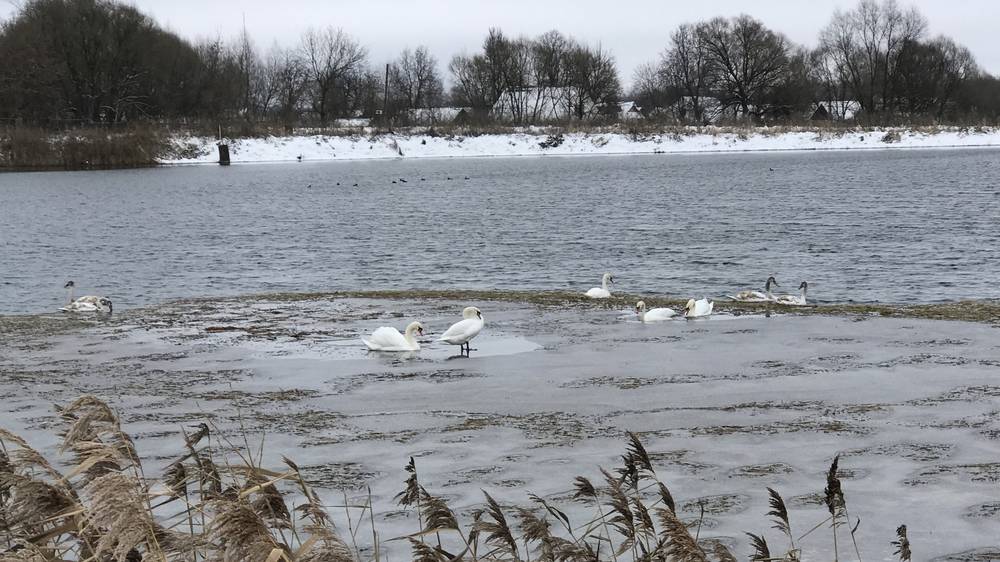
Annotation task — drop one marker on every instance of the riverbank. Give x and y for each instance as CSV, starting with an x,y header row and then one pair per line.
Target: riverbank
x,y
539,142
136,146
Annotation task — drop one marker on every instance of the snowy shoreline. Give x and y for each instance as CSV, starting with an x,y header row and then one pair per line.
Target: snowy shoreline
x,y
201,150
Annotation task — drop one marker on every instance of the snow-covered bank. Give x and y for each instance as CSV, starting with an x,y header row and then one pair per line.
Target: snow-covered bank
x,y
193,150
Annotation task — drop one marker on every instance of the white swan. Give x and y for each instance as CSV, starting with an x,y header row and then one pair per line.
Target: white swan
x,y
601,292
389,339
87,303
795,300
653,314
698,308
757,296
461,332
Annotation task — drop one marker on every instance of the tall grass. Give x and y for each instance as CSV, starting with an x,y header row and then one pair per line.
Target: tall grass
x,y
32,148
227,507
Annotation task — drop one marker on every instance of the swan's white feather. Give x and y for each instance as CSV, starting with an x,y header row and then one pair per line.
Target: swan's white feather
x,y
702,307
389,339
462,331
598,293
751,296
658,314
84,304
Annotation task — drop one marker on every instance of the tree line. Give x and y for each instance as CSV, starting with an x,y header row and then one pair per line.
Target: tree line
x,y
101,61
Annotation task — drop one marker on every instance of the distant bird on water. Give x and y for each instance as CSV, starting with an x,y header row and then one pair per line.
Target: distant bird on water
x,y
87,303
601,292
698,308
795,300
757,296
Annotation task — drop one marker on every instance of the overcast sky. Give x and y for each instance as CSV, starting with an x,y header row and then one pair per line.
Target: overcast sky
x,y
635,31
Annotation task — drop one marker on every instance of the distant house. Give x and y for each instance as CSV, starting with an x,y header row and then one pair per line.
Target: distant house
x,y
821,114
433,115
712,110
836,110
537,105
629,111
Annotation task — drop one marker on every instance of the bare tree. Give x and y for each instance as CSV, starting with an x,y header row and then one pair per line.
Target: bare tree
x,y
747,59
929,75
249,77
648,88
593,82
471,79
287,79
414,79
864,46
685,67
333,59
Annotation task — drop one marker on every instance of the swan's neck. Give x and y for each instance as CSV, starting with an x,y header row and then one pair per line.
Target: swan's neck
x,y
642,315
604,283
768,289
69,294
410,338
803,293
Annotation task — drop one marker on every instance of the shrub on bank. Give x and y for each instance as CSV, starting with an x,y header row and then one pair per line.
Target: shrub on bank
x,y
32,148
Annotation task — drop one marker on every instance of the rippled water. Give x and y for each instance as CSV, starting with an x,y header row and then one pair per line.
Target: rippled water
x,y
899,226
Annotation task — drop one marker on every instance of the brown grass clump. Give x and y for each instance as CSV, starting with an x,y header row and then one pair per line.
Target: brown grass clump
x,y
206,508
98,148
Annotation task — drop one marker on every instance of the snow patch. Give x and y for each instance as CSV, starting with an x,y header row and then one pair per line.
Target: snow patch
x,y
201,150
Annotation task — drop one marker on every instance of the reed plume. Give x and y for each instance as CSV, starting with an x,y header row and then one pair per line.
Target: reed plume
x,y
118,513
678,544
761,553
498,533
902,544
239,532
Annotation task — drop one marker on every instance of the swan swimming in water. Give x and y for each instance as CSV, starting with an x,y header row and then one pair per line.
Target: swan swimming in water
x,y
653,314
87,303
464,330
795,300
698,308
601,292
757,296
389,339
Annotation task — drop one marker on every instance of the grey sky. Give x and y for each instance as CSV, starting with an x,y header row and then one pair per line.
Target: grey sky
x,y
634,31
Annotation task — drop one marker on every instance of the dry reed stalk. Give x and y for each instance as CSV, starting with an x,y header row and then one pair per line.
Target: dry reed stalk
x,y
834,499
779,515
498,533
902,544
677,540
761,553
621,518
118,514
239,532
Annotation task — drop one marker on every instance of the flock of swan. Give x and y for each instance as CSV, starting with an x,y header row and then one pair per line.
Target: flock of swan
x,y
703,307
386,338
460,333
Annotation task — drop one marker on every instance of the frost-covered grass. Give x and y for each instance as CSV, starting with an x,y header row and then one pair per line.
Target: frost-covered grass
x,y
131,147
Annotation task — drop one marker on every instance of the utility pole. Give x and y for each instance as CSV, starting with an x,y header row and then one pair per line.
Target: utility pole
x,y
385,95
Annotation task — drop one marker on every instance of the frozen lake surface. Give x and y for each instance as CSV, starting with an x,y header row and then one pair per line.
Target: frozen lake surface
x,y
726,406
887,226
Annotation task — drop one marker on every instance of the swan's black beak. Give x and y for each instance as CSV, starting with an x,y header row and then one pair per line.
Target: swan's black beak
x,y
480,315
